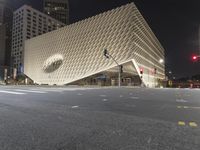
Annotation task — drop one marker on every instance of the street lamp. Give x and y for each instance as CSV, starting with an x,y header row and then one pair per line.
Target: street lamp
x,y
107,55
161,61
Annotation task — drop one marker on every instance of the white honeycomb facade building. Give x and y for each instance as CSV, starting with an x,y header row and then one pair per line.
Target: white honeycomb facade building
x,y
75,52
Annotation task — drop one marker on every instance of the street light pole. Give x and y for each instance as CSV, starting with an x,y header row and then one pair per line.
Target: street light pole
x,y
107,55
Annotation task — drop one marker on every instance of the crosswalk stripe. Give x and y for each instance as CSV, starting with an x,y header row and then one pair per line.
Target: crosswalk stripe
x,y
9,92
50,90
29,91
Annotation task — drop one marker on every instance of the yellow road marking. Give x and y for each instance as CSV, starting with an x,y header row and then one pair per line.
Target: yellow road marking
x,y
193,124
181,123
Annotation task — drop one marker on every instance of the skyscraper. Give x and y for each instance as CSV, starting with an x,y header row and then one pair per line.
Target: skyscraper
x,y
58,9
6,14
29,23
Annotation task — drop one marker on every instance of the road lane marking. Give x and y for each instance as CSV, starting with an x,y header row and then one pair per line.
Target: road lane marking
x,y
75,106
195,107
181,101
193,124
187,107
149,140
48,90
9,92
105,100
134,97
40,92
79,94
102,95
181,123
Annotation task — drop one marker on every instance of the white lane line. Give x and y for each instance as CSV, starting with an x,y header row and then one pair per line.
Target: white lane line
x,y
48,90
149,140
75,106
187,107
105,100
102,95
134,97
9,92
181,100
79,94
40,92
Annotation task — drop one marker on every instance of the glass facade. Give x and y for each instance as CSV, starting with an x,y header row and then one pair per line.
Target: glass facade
x,y
128,77
29,23
58,9
6,15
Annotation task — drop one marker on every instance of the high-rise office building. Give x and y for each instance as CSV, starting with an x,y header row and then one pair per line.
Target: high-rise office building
x,y
6,14
29,23
2,44
58,9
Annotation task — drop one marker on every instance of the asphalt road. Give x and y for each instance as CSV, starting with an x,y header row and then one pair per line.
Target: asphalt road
x,y
50,118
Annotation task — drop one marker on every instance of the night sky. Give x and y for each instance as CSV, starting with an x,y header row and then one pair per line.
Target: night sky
x,y
174,22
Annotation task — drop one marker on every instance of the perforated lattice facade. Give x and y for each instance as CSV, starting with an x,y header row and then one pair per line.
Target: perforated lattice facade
x,y
76,51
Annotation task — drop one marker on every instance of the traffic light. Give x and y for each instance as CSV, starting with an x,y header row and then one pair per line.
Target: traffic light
x,y
105,53
121,69
194,57
141,71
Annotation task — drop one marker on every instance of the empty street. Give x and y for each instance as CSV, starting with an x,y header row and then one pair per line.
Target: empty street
x,y
73,118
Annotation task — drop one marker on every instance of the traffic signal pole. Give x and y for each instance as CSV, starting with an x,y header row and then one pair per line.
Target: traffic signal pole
x,y
119,75
107,55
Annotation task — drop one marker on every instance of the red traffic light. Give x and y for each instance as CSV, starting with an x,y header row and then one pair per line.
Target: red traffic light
x,y
194,57
141,70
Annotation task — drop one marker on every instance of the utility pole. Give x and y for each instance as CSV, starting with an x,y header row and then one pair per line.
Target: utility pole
x,y
107,55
